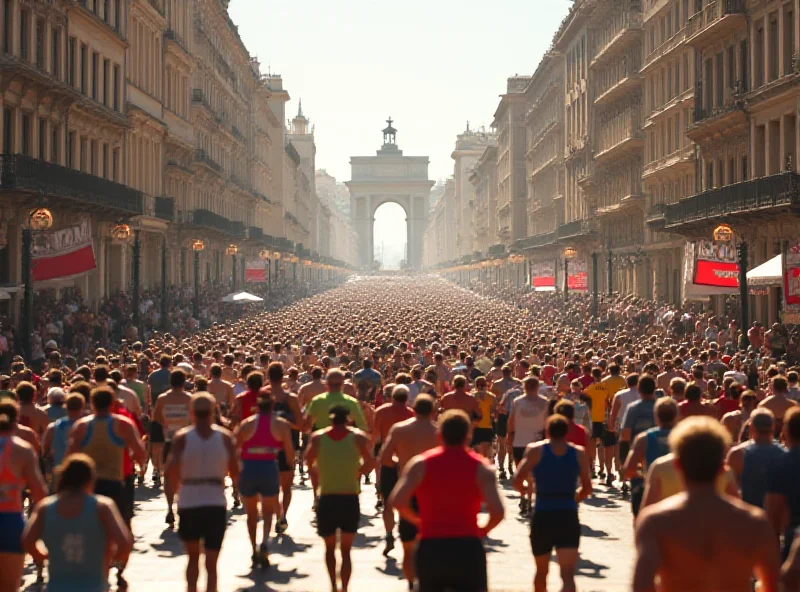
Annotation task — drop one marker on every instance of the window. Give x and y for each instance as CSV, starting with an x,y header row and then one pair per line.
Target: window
x,y
54,145
95,61
23,34
40,43
732,66
116,15
26,135
71,150
7,26
55,54
710,176
106,11
82,156
84,68
71,59
105,160
106,70
744,168
8,129
93,157
116,87
732,171
42,139
743,64
115,165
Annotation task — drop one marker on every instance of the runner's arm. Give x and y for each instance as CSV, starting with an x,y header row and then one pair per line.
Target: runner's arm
x,y
116,531
635,457
297,413
312,452
767,565
612,420
648,556
524,469
33,478
286,439
487,482
172,471
400,499
652,490
32,533
790,572
368,461
585,489
233,462
47,440
387,448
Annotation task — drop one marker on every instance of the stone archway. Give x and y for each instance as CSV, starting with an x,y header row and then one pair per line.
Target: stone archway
x,y
389,177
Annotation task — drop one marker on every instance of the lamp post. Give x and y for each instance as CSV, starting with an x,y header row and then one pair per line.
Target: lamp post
x,y
122,233
594,285
569,253
724,234
264,256
610,272
197,247
164,320
39,220
232,250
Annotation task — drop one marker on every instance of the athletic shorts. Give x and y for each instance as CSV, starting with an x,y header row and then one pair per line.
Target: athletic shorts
x,y
609,438
482,435
11,526
387,479
408,532
554,529
637,495
113,490
156,433
128,495
259,477
502,426
598,430
337,513
518,452
376,449
451,564
283,466
207,524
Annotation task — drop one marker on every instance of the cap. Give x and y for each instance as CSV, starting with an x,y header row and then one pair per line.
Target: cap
x,y
51,345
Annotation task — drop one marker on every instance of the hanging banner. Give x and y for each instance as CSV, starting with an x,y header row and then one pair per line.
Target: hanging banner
x,y
255,271
791,280
543,276
60,254
716,264
577,280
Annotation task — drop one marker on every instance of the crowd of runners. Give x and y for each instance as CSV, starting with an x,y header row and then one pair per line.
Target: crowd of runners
x,y
432,393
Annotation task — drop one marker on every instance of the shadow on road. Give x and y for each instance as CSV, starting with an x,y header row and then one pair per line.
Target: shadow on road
x,y
169,545
362,541
590,569
391,568
287,546
261,579
600,502
588,531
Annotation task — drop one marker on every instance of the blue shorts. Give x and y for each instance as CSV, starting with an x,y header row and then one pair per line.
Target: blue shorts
x,y
259,477
11,526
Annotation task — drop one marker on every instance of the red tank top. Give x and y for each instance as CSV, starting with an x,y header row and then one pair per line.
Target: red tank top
x,y
262,445
249,403
449,498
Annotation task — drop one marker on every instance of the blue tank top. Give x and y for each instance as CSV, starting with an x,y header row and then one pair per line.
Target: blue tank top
x,y
77,548
755,468
657,444
61,438
54,413
556,478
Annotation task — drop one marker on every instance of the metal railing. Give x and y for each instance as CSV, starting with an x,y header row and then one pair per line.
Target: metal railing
x,y
201,156
575,228
208,219
538,240
748,196
665,47
164,208
712,12
656,213
731,100
18,171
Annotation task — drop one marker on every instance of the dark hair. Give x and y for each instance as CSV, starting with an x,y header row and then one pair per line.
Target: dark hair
x,y
423,405
165,361
339,414
82,388
177,378
647,385
557,426
791,421
693,393
75,472
700,444
116,376
215,371
255,380
102,398
100,373
75,402
25,392
566,408
316,373
56,377
666,410
632,380
264,403
8,414
454,427
275,372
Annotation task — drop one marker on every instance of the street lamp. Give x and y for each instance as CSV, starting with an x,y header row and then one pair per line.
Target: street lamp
x,y
723,233
277,256
232,250
164,314
594,284
122,233
264,255
516,259
569,253
39,220
197,247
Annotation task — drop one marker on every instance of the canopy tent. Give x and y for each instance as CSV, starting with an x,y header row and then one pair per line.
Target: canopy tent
x,y
242,298
768,274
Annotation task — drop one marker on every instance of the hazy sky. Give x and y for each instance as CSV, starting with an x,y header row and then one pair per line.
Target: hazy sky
x,y
432,65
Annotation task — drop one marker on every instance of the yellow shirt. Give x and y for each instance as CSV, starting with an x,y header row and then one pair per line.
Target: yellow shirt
x,y
599,394
664,470
614,384
485,402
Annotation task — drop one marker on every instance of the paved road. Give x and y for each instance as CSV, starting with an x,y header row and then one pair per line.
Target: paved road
x,y
158,564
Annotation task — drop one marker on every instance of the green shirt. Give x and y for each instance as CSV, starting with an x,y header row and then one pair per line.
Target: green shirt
x,y
338,464
320,407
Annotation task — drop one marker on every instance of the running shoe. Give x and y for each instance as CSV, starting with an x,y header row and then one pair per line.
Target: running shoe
x,y
281,526
379,504
366,480
140,480
389,545
170,520
156,479
263,553
624,488
610,480
503,475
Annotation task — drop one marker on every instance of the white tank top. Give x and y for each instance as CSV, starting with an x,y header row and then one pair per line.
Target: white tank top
x,y
529,417
203,470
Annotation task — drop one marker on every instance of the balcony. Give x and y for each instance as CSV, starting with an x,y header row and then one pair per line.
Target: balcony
x,y
164,208
538,240
765,195
632,140
23,173
209,220
254,233
716,19
630,81
159,6
240,182
199,99
656,215
172,35
664,49
202,158
575,229
728,114
683,158
630,30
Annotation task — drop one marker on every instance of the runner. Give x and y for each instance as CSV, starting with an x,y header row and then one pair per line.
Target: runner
x,y
260,438
751,460
700,540
782,501
221,389
450,482
483,431
619,404
82,531
19,469
557,466
600,393
201,457
505,390
778,402
405,440
172,411
340,454
386,416
639,417
525,426
56,438
158,381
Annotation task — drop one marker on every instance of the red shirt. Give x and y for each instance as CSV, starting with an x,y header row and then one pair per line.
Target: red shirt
x,y
547,373
119,409
726,405
577,434
248,402
586,379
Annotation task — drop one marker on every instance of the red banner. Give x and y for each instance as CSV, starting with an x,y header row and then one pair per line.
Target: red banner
x,y
720,274
578,278
62,253
255,271
543,275
791,276
544,282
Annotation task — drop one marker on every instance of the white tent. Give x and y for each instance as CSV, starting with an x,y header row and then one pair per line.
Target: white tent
x,y
768,274
242,298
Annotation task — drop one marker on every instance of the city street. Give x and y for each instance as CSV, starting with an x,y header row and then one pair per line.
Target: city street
x,y
157,562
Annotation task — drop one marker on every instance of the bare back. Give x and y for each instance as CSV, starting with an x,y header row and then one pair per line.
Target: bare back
x,y
412,437
309,391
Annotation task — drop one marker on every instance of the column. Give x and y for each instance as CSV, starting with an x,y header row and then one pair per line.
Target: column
x,y
47,149
49,65
15,17
765,38
781,24
782,125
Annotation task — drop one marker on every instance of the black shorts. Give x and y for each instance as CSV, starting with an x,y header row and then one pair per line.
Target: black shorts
x,y
451,564
283,466
609,438
206,523
337,513
376,449
388,479
518,452
113,490
156,433
482,435
408,532
637,495
502,426
598,430
128,495
166,450
554,529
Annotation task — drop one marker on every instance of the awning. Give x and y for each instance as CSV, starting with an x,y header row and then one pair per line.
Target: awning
x,y
242,298
768,274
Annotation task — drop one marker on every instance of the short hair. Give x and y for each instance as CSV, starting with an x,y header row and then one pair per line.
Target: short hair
x,y
666,410
700,444
694,392
316,373
423,405
402,378
454,427
632,380
647,385
762,421
215,371
203,404
459,381
9,410
177,378
165,361
337,374
557,426
792,376
275,372
677,384
100,373
531,381
255,380
779,384
75,402
56,377
400,393
791,423
82,388
102,398
25,392
566,408
75,472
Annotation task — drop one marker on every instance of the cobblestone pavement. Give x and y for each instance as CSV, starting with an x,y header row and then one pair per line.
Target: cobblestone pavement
x,y
157,563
